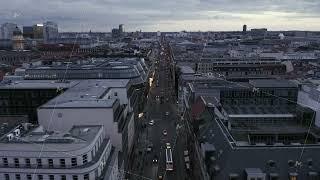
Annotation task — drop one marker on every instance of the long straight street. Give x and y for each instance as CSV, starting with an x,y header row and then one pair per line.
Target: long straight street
x,y
161,120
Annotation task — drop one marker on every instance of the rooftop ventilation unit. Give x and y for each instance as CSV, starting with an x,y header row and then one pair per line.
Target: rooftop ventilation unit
x,y
10,137
17,132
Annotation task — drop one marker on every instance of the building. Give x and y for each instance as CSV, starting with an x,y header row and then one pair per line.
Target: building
x,y
101,102
309,95
261,32
121,29
27,32
252,130
244,28
235,68
23,97
6,30
31,152
38,31
118,32
17,40
50,31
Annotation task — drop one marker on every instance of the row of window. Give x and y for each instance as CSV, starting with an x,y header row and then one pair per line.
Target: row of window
x,y
27,162
41,177
50,162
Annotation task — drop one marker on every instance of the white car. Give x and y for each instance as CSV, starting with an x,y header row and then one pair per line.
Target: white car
x,y
151,123
168,145
167,113
164,132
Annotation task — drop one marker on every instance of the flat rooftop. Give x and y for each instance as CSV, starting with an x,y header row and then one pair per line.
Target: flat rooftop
x,y
88,93
269,83
37,84
266,110
32,140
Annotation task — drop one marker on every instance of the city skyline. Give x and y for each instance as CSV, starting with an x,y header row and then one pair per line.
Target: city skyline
x,y
189,15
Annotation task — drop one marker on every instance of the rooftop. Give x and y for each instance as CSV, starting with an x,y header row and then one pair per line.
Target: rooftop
x,y
87,93
269,83
32,139
37,84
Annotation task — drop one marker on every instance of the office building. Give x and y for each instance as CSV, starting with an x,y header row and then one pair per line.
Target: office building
x,y
261,32
95,102
27,31
6,30
237,68
83,152
121,30
38,31
50,31
244,28
18,40
23,97
252,130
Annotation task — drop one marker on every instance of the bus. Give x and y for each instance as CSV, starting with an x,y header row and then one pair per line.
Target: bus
x,y
169,160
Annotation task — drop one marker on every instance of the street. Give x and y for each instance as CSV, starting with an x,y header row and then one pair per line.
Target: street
x,y
161,119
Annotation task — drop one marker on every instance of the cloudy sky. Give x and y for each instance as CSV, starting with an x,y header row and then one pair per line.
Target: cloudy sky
x,y
165,15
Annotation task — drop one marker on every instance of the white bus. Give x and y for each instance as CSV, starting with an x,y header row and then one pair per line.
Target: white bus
x,y
169,160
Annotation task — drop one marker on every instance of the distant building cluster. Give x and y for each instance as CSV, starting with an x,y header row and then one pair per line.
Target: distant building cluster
x,y
248,101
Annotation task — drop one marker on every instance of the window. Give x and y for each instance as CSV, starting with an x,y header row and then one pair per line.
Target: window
x,y
29,177
74,177
6,177
86,177
39,163
5,162
16,162
85,158
40,177
51,177
73,162
27,161
63,177
50,162
62,163
18,177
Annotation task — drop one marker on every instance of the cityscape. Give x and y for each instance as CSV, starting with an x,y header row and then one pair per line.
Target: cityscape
x,y
158,105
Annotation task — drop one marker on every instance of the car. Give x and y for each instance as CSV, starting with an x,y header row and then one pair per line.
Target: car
x,y
177,102
186,153
155,159
168,145
160,177
149,148
167,113
151,123
167,99
164,132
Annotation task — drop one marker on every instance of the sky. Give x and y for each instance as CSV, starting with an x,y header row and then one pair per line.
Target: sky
x,y
165,15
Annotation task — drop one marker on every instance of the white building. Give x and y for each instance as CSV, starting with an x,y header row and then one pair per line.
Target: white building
x,y
94,102
50,31
83,153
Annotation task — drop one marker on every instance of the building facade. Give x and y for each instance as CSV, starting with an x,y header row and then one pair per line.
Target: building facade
x,y
84,153
50,31
252,130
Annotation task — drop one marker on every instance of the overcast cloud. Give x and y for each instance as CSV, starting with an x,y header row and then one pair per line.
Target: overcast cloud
x,y
164,15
